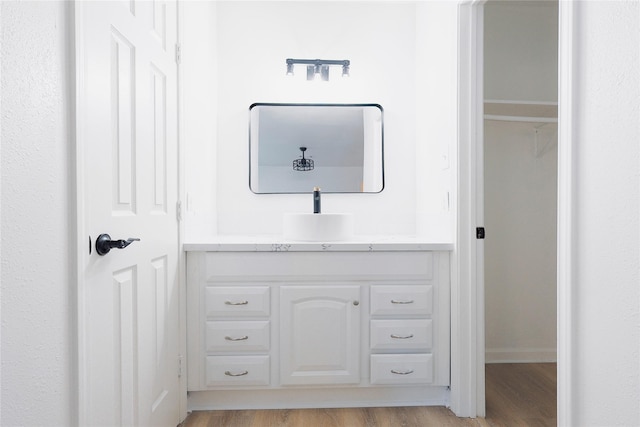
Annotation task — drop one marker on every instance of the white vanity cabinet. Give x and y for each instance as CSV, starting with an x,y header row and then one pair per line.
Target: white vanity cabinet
x,y
287,329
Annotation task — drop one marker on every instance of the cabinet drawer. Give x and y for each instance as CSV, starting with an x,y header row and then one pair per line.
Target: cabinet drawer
x,y
237,301
237,335
409,334
401,368
237,370
402,300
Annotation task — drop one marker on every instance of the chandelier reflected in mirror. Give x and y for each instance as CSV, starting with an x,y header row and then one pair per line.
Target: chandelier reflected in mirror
x,y
303,164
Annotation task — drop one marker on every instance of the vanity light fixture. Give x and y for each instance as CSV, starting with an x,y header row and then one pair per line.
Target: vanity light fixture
x,y
303,164
318,67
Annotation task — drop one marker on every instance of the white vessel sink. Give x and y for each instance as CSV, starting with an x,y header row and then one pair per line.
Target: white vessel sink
x,y
322,227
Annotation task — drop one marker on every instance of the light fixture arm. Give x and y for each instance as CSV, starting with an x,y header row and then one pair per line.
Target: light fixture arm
x,y
319,62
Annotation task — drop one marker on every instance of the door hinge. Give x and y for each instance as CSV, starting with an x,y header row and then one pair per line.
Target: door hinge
x,y
178,53
180,366
179,210
479,232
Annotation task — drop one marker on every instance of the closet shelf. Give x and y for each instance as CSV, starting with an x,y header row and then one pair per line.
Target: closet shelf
x,y
519,111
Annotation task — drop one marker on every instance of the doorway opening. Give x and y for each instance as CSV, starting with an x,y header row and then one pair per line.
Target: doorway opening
x,y
520,151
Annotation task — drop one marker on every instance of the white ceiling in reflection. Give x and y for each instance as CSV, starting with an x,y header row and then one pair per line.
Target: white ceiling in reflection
x,y
334,136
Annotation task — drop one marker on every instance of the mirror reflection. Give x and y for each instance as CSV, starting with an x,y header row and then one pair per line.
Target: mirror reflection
x,y
296,147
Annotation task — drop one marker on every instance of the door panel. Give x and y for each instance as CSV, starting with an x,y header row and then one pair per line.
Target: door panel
x,y
123,122
128,151
159,122
125,303
320,335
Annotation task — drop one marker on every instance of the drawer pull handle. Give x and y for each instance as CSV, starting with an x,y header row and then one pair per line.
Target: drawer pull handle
x,y
406,301
245,302
407,372
239,374
243,338
401,337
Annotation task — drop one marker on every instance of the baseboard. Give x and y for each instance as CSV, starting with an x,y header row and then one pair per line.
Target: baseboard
x,y
526,355
295,398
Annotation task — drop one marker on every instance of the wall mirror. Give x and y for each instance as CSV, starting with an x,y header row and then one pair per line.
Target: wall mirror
x,y
296,147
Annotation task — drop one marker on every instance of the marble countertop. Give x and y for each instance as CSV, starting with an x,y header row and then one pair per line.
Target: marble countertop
x,y
278,244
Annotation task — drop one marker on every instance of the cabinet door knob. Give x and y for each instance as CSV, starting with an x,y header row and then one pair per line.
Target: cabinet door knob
x,y
356,303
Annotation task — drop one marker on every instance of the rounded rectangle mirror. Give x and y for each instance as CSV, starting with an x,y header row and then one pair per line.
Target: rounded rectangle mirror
x,y
296,147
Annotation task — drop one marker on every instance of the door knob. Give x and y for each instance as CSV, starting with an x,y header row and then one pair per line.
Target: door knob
x,y
104,243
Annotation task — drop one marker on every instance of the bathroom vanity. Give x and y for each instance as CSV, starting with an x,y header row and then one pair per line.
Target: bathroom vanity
x,y
317,325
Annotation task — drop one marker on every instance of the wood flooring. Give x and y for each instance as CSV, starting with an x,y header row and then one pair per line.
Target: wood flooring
x,y
517,395
521,394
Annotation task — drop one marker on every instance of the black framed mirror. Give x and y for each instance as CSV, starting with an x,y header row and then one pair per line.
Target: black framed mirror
x,y
296,147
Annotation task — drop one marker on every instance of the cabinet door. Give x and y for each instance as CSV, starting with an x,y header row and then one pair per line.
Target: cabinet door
x,y
319,335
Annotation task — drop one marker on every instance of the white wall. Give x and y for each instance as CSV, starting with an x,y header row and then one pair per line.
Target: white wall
x,y
37,225
436,110
605,345
199,92
520,248
520,64
527,72
255,38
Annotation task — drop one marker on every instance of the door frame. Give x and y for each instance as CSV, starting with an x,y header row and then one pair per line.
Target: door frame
x,y
566,184
182,256
467,291
470,258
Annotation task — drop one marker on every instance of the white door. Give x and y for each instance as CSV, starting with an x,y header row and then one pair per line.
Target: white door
x,y
319,335
127,187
